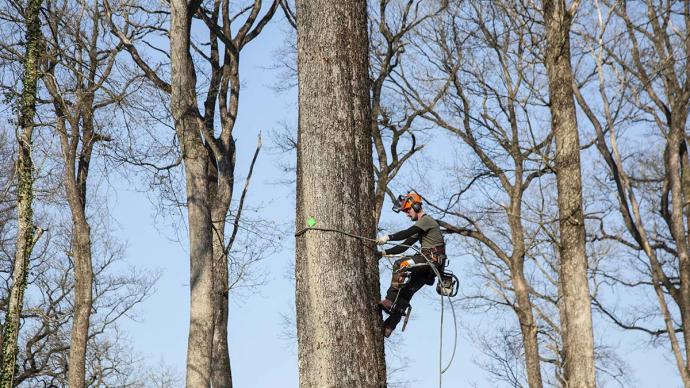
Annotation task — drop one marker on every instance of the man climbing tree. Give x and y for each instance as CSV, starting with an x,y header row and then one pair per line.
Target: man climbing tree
x,y
338,324
410,274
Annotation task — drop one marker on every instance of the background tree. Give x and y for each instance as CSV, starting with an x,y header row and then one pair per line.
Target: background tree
x,y
576,312
483,53
638,62
47,322
392,26
27,233
83,86
209,158
499,191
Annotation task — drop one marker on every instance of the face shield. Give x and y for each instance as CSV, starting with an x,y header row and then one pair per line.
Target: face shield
x,y
401,203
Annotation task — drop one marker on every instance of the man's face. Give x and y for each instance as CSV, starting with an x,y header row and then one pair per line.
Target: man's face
x,y
411,214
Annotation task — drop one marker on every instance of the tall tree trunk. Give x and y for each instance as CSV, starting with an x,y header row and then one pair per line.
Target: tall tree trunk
x,y
578,339
83,300
26,238
524,307
221,182
188,125
221,371
200,342
340,342
673,165
75,185
528,325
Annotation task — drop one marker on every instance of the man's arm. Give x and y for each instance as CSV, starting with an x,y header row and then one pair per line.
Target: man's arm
x,y
401,248
413,230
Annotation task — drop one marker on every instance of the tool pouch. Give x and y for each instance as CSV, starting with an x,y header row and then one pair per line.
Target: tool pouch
x,y
447,285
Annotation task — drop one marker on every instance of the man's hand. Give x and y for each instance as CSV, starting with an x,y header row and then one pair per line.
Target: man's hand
x,y
382,239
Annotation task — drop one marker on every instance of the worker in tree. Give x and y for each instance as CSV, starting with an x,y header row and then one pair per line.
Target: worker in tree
x,y
410,274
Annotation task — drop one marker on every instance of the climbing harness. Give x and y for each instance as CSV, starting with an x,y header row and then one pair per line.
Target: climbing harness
x,y
447,286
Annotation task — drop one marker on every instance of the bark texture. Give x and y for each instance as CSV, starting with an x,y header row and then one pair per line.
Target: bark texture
x,y
26,236
75,185
77,150
188,125
340,342
77,160
576,314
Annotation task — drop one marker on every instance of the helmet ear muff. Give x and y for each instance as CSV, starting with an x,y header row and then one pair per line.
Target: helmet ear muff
x,y
417,206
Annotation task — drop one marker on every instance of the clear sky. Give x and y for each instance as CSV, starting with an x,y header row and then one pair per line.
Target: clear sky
x,y
261,353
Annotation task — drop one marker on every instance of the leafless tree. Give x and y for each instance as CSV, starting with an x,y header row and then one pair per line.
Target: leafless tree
x,y
48,321
640,86
209,158
490,58
27,232
483,55
47,318
575,307
391,26
82,82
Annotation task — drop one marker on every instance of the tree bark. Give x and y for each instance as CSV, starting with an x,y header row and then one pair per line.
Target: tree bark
x,y
673,164
524,308
83,299
578,339
340,341
26,236
189,126
221,182
75,185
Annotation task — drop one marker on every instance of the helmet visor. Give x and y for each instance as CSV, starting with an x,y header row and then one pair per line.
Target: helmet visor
x,y
400,203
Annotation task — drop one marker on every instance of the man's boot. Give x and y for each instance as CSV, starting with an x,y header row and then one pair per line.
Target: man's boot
x,y
390,323
386,305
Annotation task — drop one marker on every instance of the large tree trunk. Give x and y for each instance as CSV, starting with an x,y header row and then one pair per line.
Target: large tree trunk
x,y
524,307
528,325
221,372
83,300
199,346
340,342
578,339
221,182
222,177
673,165
188,125
26,237
75,185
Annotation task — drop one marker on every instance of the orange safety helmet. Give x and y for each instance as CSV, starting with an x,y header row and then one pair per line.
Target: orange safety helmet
x,y
410,200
